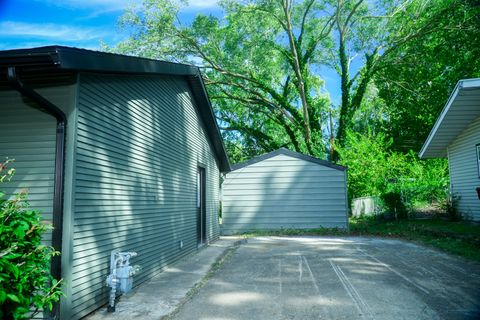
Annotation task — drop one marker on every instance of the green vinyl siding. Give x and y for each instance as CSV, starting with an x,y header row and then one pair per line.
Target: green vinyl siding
x,y
464,176
28,136
283,192
139,143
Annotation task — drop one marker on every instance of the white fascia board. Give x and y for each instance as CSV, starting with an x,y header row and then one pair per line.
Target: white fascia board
x,y
440,119
470,83
462,84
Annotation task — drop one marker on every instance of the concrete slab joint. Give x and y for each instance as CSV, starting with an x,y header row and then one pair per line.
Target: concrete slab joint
x,y
162,295
303,278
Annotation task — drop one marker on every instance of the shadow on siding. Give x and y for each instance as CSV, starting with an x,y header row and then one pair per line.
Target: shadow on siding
x,y
137,161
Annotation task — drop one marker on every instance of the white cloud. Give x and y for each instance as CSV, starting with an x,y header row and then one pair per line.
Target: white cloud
x,y
109,5
203,4
119,5
50,31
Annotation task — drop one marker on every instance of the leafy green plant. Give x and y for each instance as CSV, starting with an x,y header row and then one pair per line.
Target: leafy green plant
x,y
451,208
375,170
394,204
26,285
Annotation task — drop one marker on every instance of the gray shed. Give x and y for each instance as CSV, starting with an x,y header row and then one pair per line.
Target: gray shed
x,y
117,152
284,189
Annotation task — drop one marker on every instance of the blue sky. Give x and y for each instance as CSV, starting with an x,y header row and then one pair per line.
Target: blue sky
x,y
79,23
86,23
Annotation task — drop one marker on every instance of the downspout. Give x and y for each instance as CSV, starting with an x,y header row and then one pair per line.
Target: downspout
x,y
48,107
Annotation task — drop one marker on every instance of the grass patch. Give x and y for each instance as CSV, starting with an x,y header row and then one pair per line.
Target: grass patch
x,y
461,238
296,232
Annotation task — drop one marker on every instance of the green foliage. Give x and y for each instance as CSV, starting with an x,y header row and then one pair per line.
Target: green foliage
x,y
264,64
417,77
264,89
366,158
394,203
26,285
375,170
451,208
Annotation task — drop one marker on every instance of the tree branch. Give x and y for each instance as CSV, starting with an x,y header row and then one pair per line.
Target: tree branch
x,y
304,19
352,12
298,70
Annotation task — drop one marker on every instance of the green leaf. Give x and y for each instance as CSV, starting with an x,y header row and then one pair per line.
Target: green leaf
x,y
22,310
21,229
13,297
25,278
13,269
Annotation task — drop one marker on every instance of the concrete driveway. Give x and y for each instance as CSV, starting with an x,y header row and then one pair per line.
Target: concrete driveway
x,y
338,278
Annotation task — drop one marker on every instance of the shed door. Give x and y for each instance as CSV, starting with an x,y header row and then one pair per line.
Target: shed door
x,y
201,218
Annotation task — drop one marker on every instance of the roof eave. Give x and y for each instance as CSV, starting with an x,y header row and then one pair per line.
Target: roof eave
x,y
48,58
287,152
426,152
75,59
207,114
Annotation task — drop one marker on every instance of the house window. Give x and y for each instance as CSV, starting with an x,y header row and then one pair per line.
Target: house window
x,y
478,159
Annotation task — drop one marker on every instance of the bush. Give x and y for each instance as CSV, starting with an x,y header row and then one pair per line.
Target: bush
x,y
375,170
394,204
366,159
26,286
451,208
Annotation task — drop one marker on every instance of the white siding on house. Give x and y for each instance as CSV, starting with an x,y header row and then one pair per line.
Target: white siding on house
x,y
283,192
464,170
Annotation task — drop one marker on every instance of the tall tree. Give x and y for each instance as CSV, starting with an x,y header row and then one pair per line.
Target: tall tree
x,y
258,61
416,80
380,31
263,60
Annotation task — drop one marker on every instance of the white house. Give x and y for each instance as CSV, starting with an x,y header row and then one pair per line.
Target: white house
x,y
456,135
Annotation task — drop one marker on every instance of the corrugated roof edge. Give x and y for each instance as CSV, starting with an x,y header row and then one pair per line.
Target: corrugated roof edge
x,y
290,153
76,59
461,84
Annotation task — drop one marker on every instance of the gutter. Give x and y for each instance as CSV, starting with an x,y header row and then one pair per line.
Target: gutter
x,y
46,106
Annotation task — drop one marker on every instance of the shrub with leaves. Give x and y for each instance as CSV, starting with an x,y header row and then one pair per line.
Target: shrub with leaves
x,y
26,286
451,208
375,170
394,204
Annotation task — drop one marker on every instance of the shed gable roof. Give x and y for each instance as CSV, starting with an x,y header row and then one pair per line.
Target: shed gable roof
x,y
461,109
289,153
54,59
